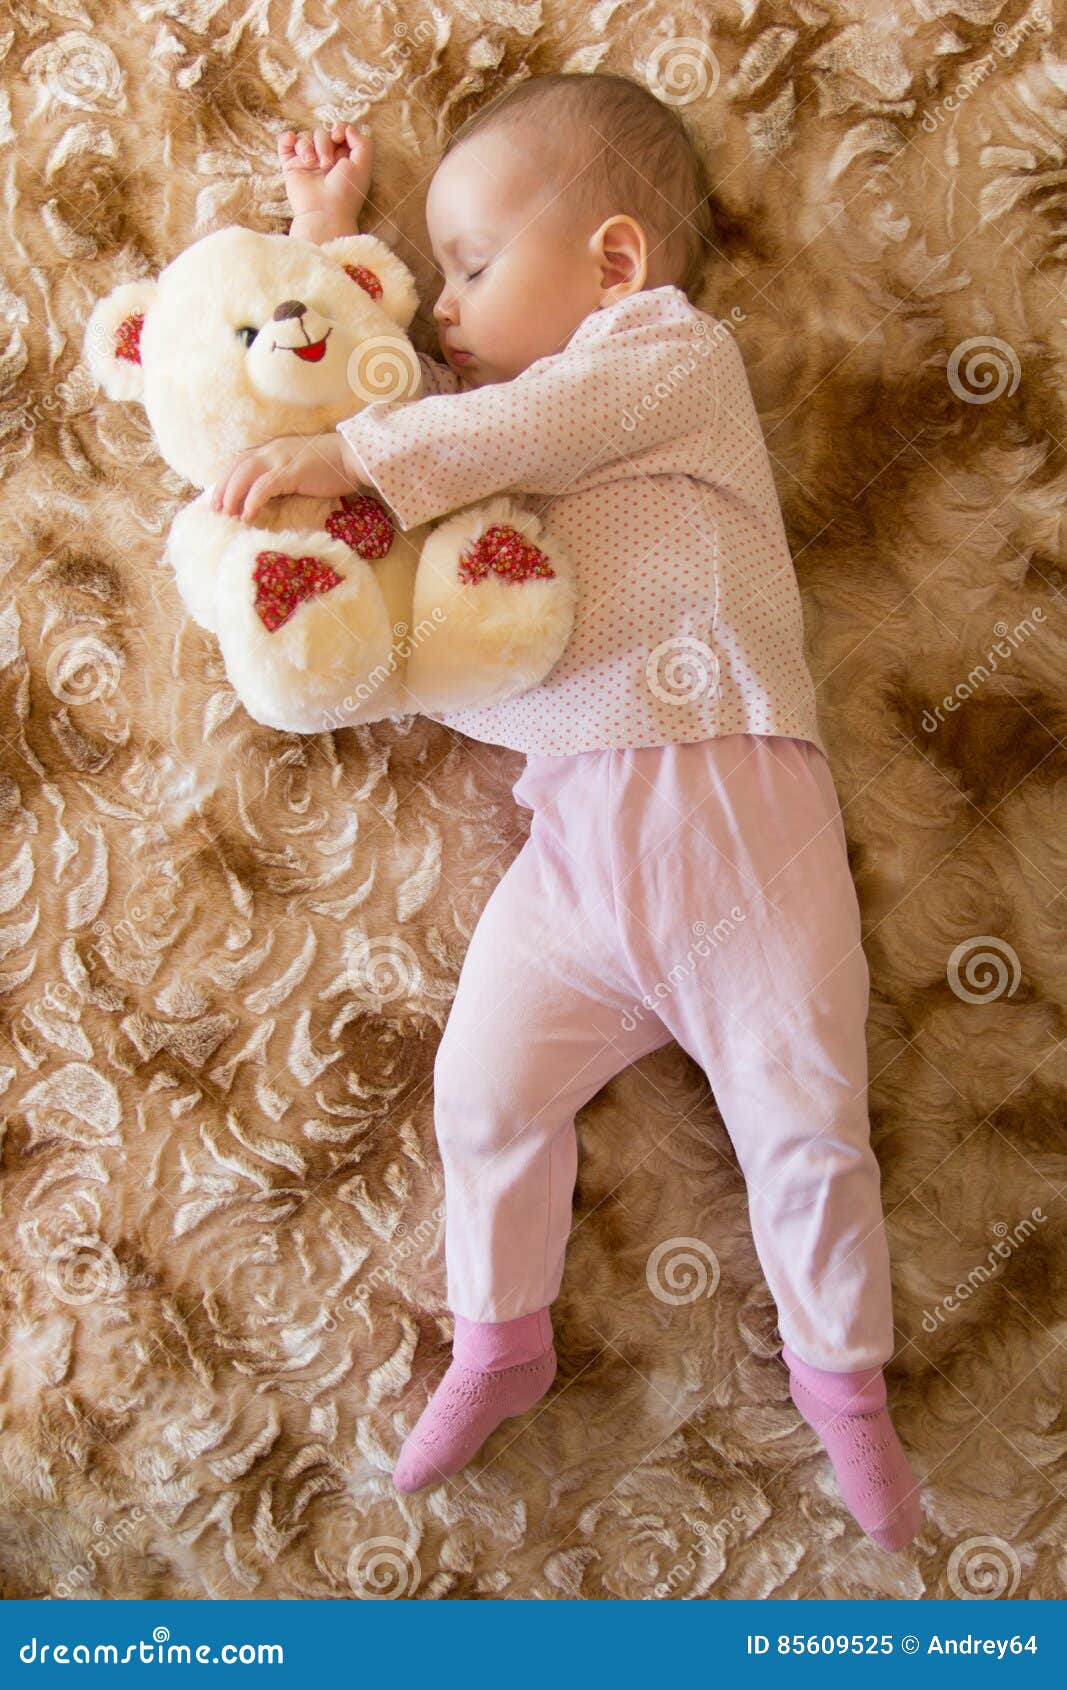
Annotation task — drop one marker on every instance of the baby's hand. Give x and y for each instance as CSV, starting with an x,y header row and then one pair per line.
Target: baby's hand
x,y
317,465
326,177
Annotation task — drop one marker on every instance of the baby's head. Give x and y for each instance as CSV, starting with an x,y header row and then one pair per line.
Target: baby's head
x,y
563,195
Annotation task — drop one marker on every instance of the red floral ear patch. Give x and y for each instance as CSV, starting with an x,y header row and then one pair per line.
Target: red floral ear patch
x,y
128,338
504,551
366,279
284,582
363,524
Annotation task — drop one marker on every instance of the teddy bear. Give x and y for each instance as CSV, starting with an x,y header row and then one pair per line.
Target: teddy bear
x,y
326,613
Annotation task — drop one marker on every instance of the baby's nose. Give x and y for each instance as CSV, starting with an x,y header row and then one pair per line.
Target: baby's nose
x,y
289,308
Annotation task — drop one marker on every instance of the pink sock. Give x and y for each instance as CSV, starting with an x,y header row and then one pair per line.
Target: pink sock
x,y
499,1368
848,1410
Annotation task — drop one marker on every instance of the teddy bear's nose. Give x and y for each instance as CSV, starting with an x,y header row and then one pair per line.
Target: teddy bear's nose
x,y
289,308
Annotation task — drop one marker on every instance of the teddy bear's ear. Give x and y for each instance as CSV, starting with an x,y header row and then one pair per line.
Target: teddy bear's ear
x,y
379,272
113,339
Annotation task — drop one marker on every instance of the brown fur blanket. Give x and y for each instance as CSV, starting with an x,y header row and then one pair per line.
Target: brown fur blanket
x,y
228,953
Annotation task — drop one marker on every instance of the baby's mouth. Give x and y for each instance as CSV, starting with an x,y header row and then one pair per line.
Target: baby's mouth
x,y
311,353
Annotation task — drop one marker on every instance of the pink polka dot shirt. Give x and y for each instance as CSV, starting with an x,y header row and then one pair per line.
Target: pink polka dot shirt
x,y
640,448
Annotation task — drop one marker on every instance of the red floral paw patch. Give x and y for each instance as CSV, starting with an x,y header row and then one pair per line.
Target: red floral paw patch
x,y
363,524
366,279
507,554
128,338
283,582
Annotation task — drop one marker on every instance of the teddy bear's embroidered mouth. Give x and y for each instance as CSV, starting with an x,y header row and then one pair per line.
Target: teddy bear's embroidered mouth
x,y
311,353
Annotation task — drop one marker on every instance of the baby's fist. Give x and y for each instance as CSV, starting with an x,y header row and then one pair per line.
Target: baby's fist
x,y
327,175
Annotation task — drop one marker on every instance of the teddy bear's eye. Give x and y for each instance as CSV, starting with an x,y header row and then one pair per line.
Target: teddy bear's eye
x,y
247,334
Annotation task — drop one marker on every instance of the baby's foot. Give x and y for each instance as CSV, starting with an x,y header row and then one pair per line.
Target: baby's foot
x,y
327,175
848,1411
466,1408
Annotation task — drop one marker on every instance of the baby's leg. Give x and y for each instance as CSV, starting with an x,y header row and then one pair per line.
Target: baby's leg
x,y
775,1011
539,1024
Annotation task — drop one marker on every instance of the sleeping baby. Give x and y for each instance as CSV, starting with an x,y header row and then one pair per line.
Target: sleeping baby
x,y
685,875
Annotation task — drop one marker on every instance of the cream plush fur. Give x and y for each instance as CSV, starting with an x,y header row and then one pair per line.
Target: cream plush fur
x,y
217,371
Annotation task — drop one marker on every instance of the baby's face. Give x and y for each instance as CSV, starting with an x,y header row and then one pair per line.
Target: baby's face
x,y
518,274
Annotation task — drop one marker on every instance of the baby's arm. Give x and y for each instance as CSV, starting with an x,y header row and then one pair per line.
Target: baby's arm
x,y
624,389
326,175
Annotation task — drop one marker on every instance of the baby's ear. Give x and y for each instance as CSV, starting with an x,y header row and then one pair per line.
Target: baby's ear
x,y
373,267
113,339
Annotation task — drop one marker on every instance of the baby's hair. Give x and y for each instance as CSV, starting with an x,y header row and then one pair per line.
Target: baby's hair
x,y
613,147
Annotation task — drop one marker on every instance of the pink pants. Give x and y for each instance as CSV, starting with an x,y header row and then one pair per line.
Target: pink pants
x,y
698,892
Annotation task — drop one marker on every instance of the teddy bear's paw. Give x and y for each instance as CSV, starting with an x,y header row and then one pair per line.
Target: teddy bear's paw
x,y
282,582
364,524
305,631
494,606
503,551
